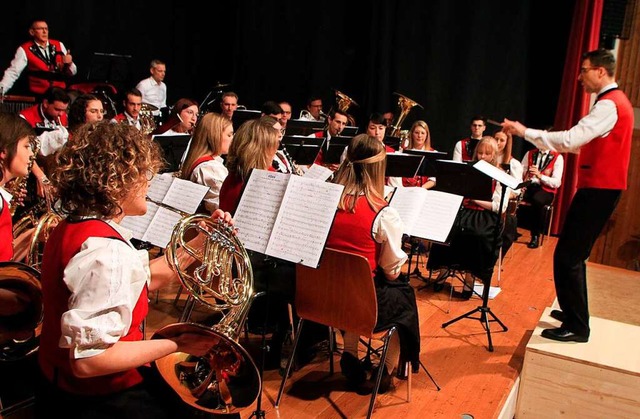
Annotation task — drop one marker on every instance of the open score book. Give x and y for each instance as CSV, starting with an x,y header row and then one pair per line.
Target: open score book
x,y
286,216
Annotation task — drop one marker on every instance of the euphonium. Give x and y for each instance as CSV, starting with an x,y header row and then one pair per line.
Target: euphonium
x,y
344,102
224,379
405,104
147,120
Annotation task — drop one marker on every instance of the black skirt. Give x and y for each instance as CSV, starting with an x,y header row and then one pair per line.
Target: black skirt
x,y
397,307
474,246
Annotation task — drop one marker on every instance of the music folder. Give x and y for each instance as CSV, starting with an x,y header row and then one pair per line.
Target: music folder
x,y
463,179
303,127
428,166
302,149
332,154
402,165
173,147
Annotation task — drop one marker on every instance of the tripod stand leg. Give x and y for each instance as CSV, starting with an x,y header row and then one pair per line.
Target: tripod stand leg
x,y
467,314
429,375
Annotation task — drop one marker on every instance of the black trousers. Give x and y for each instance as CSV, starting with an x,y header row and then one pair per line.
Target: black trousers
x,y
588,213
538,198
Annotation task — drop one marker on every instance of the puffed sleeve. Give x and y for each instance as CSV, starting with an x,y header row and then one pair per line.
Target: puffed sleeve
x,y
387,230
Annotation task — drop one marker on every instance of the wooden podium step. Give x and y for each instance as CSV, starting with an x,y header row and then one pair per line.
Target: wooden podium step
x,y
597,379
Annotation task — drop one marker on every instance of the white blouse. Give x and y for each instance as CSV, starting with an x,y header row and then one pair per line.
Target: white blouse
x,y
105,278
387,230
211,173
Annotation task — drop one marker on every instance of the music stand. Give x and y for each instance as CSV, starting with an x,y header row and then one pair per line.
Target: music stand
x,y
332,154
349,131
302,150
393,142
493,173
428,166
240,116
462,179
110,68
402,165
303,127
173,147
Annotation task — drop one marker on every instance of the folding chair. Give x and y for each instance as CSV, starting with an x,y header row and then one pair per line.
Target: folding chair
x,y
340,294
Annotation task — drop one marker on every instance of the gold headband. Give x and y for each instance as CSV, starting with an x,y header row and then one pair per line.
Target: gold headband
x,y
373,159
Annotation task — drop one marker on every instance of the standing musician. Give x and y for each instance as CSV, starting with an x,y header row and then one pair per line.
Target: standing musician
x,y
544,169
463,150
336,121
95,284
48,62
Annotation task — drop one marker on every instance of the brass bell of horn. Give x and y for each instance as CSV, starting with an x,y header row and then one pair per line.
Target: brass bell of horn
x,y
405,104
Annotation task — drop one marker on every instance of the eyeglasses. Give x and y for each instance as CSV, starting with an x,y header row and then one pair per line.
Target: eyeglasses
x,y
94,111
583,70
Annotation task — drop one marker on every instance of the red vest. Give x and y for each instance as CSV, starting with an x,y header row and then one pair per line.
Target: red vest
x,y
6,233
319,157
40,74
230,193
64,243
467,150
34,116
546,169
604,162
351,232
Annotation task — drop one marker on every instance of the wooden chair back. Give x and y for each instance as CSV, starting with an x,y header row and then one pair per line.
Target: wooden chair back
x,y
339,293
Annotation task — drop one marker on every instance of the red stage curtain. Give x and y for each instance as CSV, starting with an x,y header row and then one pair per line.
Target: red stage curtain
x,y
573,103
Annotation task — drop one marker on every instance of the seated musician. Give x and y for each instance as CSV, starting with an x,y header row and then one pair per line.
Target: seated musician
x,y
85,108
203,163
419,139
336,121
253,147
366,225
464,149
544,170
93,359
473,245
510,231
182,118
132,104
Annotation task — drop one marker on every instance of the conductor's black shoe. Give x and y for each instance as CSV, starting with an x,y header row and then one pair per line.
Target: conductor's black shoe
x,y
563,335
351,368
558,315
533,244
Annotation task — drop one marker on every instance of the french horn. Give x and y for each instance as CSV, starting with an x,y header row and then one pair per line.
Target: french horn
x,y
222,378
21,310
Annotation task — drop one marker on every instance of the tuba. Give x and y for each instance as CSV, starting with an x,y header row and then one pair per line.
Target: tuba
x,y
344,102
21,310
405,104
220,376
147,120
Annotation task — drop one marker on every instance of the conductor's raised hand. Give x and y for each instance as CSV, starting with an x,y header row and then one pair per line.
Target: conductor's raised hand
x,y
513,127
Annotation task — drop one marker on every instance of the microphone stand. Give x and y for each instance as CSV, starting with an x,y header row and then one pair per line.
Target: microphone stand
x,y
484,309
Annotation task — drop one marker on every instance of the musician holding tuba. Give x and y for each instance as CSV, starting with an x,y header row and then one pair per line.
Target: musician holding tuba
x,y
313,111
95,284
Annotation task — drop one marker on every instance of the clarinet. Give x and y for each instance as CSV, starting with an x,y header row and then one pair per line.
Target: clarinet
x,y
294,167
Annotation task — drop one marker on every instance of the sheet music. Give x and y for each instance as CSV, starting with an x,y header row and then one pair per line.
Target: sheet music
x,y
159,231
497,174
426,214
139,224
305,218
159,186
185,195
258,208
319,172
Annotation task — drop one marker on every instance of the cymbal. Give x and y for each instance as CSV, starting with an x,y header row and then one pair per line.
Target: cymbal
x,y
148,107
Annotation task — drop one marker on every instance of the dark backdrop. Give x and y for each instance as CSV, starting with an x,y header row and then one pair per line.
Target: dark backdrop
x,y
455,58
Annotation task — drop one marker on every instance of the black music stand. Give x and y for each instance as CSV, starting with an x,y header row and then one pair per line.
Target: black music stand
x,y
428,166
173,147
110,68
240,116
402,165
393,142
462,179
484,310
349,131
302,150
332,154
303,127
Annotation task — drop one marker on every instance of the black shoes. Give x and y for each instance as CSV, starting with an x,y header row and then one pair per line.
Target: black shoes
x,y
558,315
563,335
438,284
533,244
465,294
385,382
351,368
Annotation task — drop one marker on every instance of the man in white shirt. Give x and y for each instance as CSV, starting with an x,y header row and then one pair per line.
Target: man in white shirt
x,y
153,89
